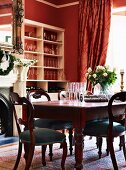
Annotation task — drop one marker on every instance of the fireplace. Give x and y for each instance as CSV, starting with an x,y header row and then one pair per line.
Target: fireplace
x,y
6,116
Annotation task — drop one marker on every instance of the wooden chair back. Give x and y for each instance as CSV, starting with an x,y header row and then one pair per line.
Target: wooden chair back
x,y
26,104
113,113
37,94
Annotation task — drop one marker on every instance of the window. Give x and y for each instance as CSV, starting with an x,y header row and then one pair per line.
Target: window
x,y
116,55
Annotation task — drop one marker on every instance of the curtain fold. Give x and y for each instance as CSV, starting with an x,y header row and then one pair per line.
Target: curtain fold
x,y
94,28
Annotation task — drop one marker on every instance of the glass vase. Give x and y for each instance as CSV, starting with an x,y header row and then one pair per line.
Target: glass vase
x,y
104,89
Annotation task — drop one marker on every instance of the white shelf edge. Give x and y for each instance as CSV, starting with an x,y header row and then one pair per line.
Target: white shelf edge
x,y
41,67
32,52
32,38
52,55
53,42
46,80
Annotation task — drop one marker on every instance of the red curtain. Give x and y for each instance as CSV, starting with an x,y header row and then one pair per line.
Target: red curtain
x,y
94,28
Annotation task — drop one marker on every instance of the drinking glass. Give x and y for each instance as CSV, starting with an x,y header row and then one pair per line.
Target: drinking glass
x,y
82,90
70,86
76,91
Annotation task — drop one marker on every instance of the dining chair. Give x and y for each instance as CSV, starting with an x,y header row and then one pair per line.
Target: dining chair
x,y
40,95
112,127
31,136
99,140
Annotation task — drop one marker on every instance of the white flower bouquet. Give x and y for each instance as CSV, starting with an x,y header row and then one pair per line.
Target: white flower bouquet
x,y
102,75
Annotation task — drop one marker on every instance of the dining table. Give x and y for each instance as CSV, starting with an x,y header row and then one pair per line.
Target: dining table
x,y
77,112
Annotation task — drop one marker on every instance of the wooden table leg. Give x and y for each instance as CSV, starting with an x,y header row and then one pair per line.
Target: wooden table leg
x,y
78,148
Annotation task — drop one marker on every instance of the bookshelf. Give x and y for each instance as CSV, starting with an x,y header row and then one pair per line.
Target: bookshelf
x,y
45,43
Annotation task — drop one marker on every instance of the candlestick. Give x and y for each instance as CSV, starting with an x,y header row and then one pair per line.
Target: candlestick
x,y
121,71
122,82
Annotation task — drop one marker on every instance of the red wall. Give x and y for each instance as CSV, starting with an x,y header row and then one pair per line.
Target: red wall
x,y
69,20
5,19
40,12
64,17
3,2
5,10
119,3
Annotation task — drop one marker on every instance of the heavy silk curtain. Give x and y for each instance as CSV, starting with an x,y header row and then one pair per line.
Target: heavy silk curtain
x,y
94,27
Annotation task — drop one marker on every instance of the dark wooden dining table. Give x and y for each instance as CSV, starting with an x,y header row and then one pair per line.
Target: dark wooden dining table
x,y
77,112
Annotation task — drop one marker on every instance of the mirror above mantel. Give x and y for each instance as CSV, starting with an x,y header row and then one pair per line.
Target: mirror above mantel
x,y
6,20
11,18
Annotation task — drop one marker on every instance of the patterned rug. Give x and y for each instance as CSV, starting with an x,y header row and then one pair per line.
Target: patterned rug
x,y
8,155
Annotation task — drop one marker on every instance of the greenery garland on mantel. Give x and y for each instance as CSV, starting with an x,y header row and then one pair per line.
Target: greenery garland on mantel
x,y
9,59
7,62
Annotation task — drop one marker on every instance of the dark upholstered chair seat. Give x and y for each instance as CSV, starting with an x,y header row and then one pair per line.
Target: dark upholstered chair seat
x,y
53,124
43,136
100,128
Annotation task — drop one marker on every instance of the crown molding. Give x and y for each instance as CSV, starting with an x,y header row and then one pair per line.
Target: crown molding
x,y
58,6
6,15
69,4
